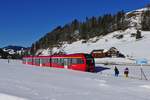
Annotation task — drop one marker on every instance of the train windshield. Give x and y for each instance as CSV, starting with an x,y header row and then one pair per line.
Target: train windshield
x,y
89,58
90,62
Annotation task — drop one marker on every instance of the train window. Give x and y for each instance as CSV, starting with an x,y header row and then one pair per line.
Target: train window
x,y
29,60
37,61
54,60
80,61
90,60
34,60
24,60
47,60
44,60
69,61
60,61
76,61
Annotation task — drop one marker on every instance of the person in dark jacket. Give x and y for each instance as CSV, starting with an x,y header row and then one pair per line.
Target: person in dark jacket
x,y
116,71
126,72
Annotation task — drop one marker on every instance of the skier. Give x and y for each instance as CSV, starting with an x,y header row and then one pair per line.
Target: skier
x,y
126,72
116,71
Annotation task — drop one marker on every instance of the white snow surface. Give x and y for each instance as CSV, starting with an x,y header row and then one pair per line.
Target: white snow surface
x,y
26,82
9,97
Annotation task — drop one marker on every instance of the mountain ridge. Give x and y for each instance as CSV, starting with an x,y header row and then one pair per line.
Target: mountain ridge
x,y
13,49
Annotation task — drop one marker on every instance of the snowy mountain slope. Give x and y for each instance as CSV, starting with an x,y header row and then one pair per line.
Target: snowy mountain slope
x,y
127,45
134,17
25,82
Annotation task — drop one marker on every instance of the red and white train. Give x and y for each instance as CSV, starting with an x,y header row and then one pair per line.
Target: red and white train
x,y
81,62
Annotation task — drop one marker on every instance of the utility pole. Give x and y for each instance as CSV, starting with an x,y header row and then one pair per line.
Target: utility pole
x,y
142,73
142,62
8,57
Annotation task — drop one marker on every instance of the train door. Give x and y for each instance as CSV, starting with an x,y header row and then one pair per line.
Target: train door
x,y
90,64
66,63
26,61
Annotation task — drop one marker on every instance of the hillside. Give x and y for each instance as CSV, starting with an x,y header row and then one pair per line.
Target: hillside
x,y
78,30
14,49
128,44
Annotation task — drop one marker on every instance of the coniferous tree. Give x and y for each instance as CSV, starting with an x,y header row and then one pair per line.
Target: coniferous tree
x,y
138,34
75,25
146,21
83,31
91,27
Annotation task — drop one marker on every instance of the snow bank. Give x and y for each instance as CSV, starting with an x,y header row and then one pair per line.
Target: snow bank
x,y
114,61
146,86
9,97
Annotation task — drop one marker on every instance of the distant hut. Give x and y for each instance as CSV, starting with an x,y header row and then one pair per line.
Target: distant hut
x,y
113,52
98,53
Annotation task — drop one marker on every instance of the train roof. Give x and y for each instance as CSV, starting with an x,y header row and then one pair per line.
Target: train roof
x,y
60,55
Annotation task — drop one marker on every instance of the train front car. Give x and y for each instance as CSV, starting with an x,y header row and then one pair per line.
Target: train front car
x,y
80,62
77,62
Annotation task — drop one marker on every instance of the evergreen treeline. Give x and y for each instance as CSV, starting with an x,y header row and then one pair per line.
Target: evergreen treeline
x,y
76,30
5,55
146,19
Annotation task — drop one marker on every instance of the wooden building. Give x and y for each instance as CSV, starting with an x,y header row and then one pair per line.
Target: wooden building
x,y
98,53
101,53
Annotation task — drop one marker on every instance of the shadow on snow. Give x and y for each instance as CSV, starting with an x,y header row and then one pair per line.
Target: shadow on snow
x,y
100,68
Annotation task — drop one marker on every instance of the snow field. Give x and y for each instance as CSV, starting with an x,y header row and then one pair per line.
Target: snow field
x,y
40,83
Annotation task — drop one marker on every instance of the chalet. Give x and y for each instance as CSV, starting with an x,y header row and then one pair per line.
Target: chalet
x,y
113,52
98,53
101,53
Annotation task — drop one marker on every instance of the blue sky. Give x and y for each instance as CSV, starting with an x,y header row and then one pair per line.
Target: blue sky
x,y
22,22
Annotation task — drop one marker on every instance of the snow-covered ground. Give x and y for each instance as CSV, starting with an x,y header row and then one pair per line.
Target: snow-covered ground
x,y
26,82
